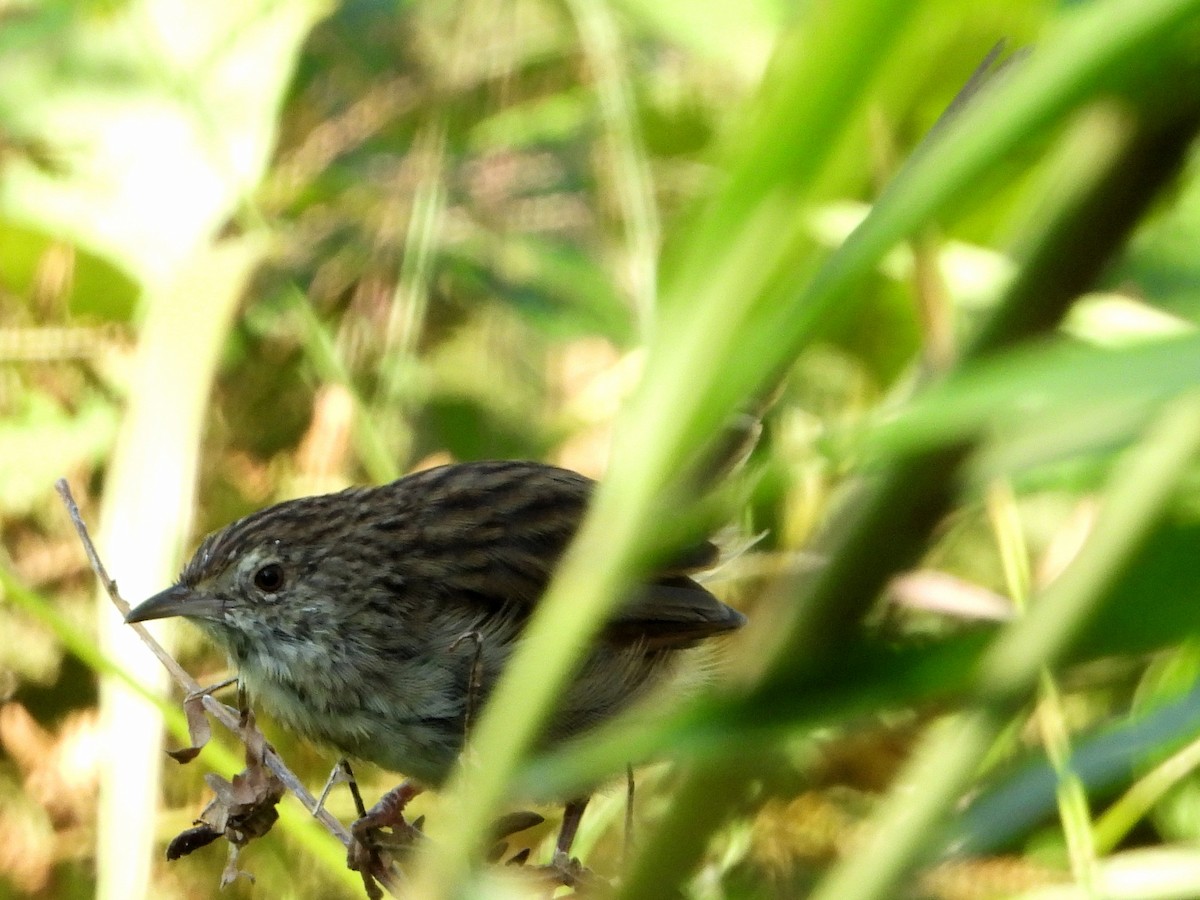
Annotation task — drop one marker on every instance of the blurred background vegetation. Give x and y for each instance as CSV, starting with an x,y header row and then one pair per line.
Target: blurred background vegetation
x,y
256,250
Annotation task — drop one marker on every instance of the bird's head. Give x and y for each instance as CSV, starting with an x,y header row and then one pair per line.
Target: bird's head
x,y
258,581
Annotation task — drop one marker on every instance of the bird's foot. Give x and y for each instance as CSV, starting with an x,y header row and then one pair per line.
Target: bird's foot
x,y
370,840
569,869
566,871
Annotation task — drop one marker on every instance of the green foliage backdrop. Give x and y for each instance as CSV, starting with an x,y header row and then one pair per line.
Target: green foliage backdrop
x,y
255,250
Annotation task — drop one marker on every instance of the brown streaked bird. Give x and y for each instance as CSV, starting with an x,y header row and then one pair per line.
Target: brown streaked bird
x,y
345,614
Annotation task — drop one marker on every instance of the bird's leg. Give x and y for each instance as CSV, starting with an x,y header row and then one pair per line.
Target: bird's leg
x,y
365,851
340,774
563,870
572,814
563,867
360,808
387,813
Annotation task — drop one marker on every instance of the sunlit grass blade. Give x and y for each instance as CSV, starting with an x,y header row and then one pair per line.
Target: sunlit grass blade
x,y
624,506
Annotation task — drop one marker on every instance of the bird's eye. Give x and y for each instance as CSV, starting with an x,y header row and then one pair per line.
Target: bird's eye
x,y
269,578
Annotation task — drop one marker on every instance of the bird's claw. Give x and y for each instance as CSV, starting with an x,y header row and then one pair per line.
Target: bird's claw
x,y
562,870
570,871
369,839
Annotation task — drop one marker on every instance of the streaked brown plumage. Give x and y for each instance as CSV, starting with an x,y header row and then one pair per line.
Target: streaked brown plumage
x,y
343,613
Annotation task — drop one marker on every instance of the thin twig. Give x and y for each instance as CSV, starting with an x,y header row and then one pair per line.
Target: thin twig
x,y
182,678
226,715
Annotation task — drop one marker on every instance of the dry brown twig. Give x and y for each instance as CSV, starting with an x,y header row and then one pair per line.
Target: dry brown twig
x,y
243,808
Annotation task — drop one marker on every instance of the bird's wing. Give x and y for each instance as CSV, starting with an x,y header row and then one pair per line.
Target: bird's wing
x,y
673,612
508,527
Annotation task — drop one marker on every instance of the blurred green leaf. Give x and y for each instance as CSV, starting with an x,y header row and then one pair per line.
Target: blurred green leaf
x,y
1029,390
1023,796
43,440
1157,602
871,680
555,118
1161,260
468,429
739,36
555,287
162,114
97,289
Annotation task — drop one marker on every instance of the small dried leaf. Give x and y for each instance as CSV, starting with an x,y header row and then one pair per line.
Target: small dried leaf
x,y
216,814
199,730
241,809
245,807
184,755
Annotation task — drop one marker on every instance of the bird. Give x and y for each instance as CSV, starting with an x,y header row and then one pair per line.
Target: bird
x,y
377,620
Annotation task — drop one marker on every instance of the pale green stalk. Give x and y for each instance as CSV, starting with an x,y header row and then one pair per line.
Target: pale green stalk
x,y
630,169
1073,809
1131,807
145,518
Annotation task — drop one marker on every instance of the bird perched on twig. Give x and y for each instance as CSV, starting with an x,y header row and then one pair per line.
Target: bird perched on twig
x,y
346,615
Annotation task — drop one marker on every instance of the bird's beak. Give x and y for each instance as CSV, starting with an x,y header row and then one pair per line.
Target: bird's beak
x,y
176,601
